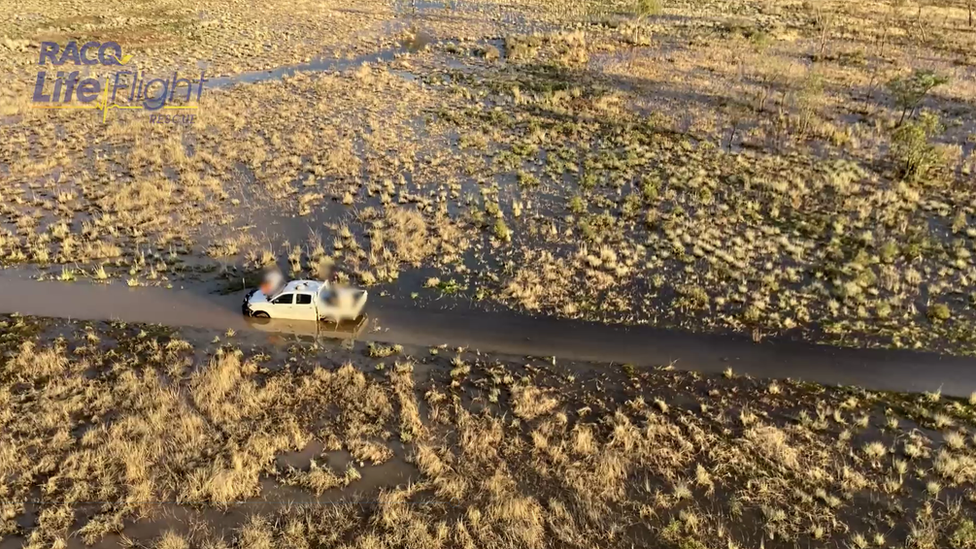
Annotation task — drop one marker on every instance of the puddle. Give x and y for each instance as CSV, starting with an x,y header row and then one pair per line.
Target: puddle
x,y
414,41
176,519
321,64
404,6
390,474
302,458
339,460
166,517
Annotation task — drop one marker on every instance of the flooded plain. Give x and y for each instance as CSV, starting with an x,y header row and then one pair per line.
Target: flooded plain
x,y
563,159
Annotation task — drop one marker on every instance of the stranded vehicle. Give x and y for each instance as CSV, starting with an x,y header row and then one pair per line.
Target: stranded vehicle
x,y
305,300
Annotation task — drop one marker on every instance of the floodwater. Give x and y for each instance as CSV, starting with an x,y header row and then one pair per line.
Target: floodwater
x,y
321,64
416,40
511,333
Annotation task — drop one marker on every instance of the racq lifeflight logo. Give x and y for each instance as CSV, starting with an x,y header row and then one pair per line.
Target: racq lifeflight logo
x,y
125,87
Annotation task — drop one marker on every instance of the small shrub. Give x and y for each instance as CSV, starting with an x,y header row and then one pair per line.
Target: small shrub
x,y
650,187
450,286
752,313
502,232
912,148
490,53
939,312
577,205
909,91
889,251
875,450
493,209
527,179
589,180
367,278
965,536
647,8
630,206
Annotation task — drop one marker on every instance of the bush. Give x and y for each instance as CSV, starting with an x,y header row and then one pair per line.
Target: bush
x,y
910,91
491,53
965,536
912,149
650,186
527,179
631,205
939,312
889,251
502,232
647,8
577,205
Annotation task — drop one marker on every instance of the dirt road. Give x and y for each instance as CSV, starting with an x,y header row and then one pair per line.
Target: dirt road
x,y
394,322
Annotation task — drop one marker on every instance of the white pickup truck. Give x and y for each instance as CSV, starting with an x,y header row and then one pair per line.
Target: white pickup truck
x,y
306,300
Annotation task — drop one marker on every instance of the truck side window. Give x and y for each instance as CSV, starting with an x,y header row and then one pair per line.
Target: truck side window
x,y
303,299
286,299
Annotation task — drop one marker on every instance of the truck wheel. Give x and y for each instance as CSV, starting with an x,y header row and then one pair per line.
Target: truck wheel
x,y
261,314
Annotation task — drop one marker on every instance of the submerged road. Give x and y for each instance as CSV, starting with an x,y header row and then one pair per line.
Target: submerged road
x,y
394,322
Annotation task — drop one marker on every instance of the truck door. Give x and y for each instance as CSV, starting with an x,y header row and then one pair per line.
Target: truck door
x,y
283,306
305,307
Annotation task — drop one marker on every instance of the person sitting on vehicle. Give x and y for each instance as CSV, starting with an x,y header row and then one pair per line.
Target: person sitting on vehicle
x,y
273,280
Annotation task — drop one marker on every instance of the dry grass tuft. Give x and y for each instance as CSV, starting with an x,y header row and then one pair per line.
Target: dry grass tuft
x,y
530,402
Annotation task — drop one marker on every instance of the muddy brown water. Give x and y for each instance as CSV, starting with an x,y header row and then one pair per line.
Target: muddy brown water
x,y
393,321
